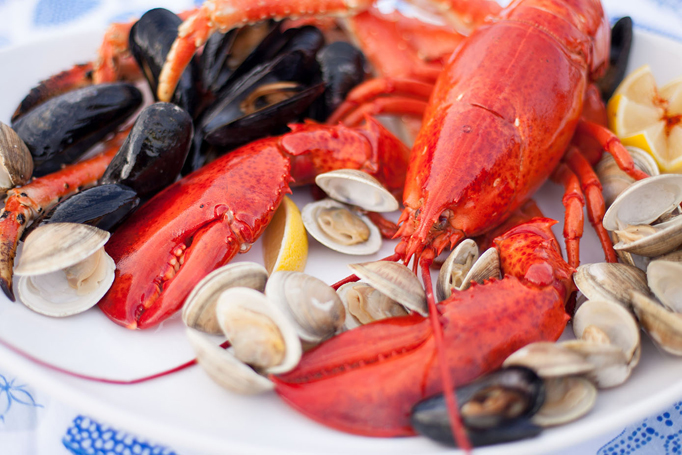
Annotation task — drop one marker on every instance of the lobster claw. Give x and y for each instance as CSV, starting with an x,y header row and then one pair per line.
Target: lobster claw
x,y
365,381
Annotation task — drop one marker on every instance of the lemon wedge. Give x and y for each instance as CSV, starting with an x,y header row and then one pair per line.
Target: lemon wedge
x,y
285,242
644,116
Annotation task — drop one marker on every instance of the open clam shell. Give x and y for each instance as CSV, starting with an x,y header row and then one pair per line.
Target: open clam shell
x,y
604,281
199,312
611,365
607,322
566,399
16,162
396,281
313,307
357,188
64,269
648,213
338,227
365,304
614,181
457,272
665,281
549,360
260,334
664,327
224,368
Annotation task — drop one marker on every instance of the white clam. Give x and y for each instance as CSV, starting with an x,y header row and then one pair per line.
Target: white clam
x,y
665,281
615,282
198,311
646,216
16,162
63,269
567,399
464,266
312,306
357,188
614,181
396,281
338,227
549,360
364,304
664,326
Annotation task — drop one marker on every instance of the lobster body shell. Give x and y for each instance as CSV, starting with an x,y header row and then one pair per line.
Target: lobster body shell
x,y
500,118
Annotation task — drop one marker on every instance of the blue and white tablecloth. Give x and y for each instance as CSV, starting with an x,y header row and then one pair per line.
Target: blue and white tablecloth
x,y
31,423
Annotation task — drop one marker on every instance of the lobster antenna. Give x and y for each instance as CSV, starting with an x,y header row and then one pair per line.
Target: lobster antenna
x,y
456,425
86,377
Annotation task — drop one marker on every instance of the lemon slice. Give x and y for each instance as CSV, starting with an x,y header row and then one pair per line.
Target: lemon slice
x,y
643,116
285,242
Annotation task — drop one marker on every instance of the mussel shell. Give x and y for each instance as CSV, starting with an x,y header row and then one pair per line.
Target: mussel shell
x,y
216,122
343,68
104,207
621,42
153,153
63,128
150,41
429,417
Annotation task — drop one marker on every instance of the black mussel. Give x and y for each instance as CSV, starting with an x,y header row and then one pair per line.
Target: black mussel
x,y
226,52
621,42
150,41
61,129
262,102
343,67
104,206
153,153
496,408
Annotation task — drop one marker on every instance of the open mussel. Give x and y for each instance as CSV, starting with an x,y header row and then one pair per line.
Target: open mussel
x,y
63,128
16,163
152,155
495,409
64,269
150,41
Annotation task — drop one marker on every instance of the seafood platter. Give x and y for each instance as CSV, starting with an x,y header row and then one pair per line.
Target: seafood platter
x,y
166,193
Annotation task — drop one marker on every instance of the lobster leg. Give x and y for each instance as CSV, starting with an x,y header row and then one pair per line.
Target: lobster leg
x,y
573,201
400,353
595,200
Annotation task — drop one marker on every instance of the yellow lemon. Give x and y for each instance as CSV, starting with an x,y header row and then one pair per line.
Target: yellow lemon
x,y
644,116
285,242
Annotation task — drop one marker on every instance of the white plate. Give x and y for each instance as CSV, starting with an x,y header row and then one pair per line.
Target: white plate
x,y
186,410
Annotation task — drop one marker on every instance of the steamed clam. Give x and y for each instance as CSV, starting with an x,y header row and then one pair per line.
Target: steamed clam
x,y
335,224
646,216
64,269
16,162
464,265
614,181
365,304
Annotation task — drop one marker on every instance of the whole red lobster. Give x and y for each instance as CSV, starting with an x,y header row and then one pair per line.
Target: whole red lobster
x,y
498,124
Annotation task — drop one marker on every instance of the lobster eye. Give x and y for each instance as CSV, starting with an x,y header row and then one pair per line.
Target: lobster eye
x,y
442,222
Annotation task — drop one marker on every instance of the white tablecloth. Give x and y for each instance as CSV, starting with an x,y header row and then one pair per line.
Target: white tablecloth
x,y
31,423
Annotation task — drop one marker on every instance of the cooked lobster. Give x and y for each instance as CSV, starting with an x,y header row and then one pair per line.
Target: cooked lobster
x,y
497,125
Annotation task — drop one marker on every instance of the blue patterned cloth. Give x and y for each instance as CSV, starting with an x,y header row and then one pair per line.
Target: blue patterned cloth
x,y
24,416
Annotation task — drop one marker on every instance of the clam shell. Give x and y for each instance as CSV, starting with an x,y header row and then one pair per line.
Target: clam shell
x,y
56,246
357,188
313,307
224,368
549,360
566,399
16,162
611,366
614,181
614,321
310,215
237,302
396,281
198,311
456,267
664,327
644,202
665,281
604,281
485,267
376,306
